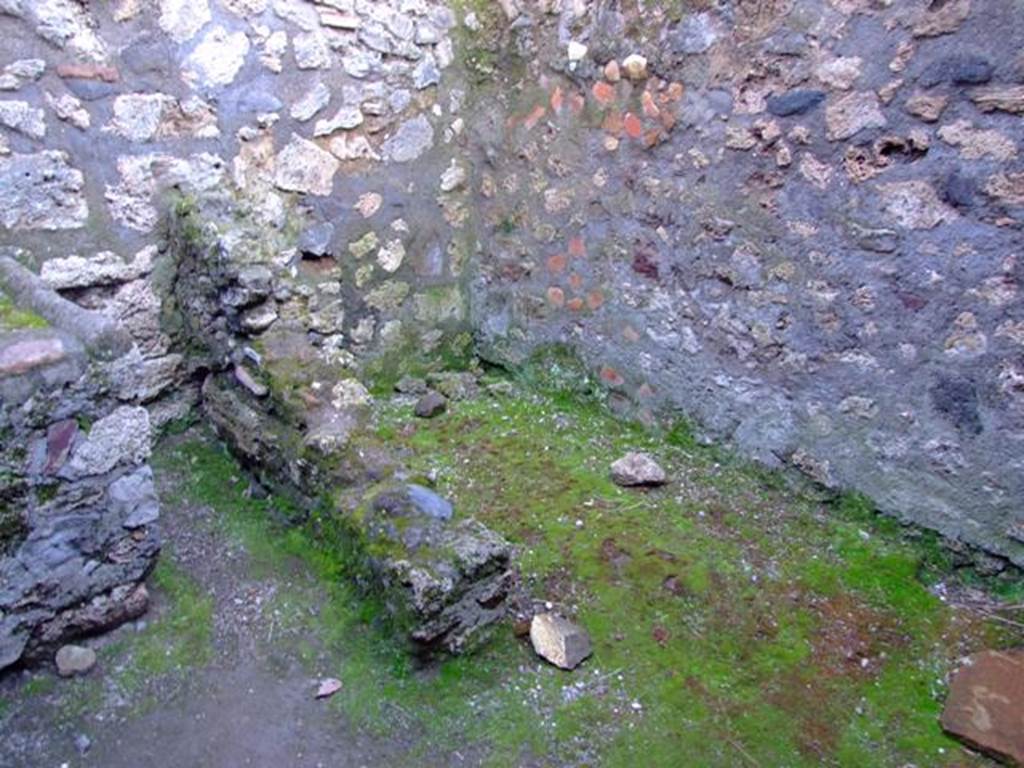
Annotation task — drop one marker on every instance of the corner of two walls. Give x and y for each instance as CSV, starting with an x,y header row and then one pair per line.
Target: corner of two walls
x,y
799,226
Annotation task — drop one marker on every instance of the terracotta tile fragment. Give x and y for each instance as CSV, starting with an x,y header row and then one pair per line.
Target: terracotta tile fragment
x,y
556,263
634,128
610,376
604,93
534,117
650,108
557,98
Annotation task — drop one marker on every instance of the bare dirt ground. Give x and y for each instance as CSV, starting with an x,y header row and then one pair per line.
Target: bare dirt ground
x,y
252,705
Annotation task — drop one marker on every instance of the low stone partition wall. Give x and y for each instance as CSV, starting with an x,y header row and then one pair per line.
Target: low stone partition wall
x,y
444,578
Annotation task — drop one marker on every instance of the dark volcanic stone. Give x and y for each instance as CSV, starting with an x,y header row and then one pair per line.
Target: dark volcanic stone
x,y
960,70
411,500
985,702
795,102
956,398
89,90
959,190
430,405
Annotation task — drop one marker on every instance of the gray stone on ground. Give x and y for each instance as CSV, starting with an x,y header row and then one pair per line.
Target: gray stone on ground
x,y
74,660
985,705
430,405
455,385
411,501
559,641
410,385
637,469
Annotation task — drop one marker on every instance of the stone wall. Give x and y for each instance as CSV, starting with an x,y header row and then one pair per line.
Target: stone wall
x,y
78,509
797,223
280,118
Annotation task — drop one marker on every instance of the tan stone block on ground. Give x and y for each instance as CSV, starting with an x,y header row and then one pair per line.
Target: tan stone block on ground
x,y
985,706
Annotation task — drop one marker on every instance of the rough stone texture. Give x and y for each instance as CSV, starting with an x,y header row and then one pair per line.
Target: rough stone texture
x,y
182,19
637,469
430,405
985,705
445,577
303,167
74,660
794,102
41,191
559,641
412,139
217,59
20,116
798,231
827,294
849,115
122,436
104,268
85,530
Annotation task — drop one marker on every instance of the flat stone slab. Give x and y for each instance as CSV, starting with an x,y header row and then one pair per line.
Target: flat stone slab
x,y
985,706
23,355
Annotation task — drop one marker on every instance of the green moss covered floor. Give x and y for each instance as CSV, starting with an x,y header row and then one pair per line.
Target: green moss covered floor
x,y
735,621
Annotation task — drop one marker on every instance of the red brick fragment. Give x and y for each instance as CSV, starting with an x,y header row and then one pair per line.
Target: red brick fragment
x,y
610,376
604,93
557,97
650,108
634,128
557,263
89,72
534,117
